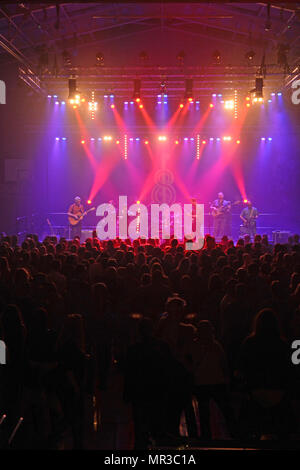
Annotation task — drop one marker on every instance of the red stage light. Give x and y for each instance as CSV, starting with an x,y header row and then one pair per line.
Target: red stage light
x,y
203,142
83,141
238,141
89,201
245,201
117,142
211,105
190,100
146,142
176,142
141,106
112,106
138,100
138,202
181,105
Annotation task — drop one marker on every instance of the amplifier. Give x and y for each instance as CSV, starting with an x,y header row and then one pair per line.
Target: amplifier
x,y
281,236
86,234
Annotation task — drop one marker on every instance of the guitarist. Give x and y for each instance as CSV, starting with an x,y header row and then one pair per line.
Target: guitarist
x,y
221,213
249,215
75,211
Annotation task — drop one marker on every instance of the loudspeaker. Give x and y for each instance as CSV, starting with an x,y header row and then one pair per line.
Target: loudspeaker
x,y
281,236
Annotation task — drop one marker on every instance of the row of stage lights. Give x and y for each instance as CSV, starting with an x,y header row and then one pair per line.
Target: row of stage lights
x,y
229,104
162,138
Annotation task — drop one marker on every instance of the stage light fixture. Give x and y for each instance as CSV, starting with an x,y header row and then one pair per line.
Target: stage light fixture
x,y
238,141
89,201
56,138
245,201
229,104
138,202
180,57
250,55
203,142
100,59
146,142
117,142
141,106
211,105
83,141
143,56
176,142
162,138
107,138
181,105
112,106
217,56
189,83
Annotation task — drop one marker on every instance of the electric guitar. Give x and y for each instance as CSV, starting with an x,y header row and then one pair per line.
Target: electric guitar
x,y
216,211
74,219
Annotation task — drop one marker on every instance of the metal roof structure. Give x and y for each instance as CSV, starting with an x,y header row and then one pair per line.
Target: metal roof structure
x,y
52,42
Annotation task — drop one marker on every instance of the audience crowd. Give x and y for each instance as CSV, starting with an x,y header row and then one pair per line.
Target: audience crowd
x,y
184,329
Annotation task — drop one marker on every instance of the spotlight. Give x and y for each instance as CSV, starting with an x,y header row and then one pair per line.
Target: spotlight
x,y
137,89
250,55
146,142
245,201
107,138
203,142
117,142
181,105
83,141
112,106
56,138
217,56
100,59
89,201
163,88
211,105
238,141
141,106
229,104
176,142
162,138
138,202
189,89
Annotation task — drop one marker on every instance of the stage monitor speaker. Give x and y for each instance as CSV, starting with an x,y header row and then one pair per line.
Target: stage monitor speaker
x,y
281,236
86,234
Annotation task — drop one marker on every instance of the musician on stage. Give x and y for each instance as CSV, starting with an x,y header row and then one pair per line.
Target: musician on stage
x,y
249,215
75,211
221,213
